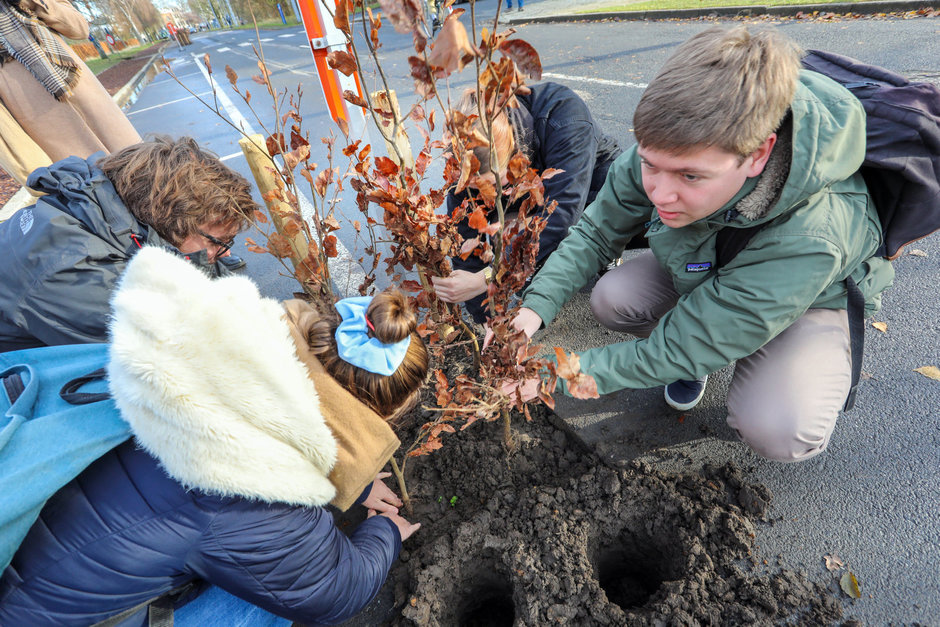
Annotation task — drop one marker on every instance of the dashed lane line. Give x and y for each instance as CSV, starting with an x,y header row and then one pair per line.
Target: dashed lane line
x,y
599,81
205,93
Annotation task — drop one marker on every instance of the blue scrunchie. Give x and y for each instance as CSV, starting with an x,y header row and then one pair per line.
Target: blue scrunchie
x,y
356,347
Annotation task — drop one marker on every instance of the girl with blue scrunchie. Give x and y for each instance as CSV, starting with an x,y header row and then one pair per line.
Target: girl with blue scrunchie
x,y
249,417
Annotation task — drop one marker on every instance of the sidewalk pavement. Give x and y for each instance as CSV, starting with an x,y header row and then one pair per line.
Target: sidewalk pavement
x,y
565,11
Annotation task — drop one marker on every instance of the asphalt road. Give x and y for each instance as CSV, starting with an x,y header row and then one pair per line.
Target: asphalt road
x,y
873,497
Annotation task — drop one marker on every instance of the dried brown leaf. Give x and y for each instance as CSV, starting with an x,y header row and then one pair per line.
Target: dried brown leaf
x,y
275,144
833,563
342,61
881,326
341,16
353,98
451,49
329,246
478,220
231,75
279,246
931,372
524,56
849,585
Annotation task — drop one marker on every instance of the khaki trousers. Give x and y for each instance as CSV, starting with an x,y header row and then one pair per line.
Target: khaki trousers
x,y
785,398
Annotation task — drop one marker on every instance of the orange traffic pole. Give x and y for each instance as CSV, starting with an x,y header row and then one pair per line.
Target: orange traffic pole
x,y
323,37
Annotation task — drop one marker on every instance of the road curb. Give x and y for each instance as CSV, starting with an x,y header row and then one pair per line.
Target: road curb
x,y
126,95
863,8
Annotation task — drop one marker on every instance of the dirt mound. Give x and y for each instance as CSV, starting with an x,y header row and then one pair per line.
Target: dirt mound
x,y
550,535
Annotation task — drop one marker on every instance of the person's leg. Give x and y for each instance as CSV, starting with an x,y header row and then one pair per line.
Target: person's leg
x,y
785,398
217,608
633,296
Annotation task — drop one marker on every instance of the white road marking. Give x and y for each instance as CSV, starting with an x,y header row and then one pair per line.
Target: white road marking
x,y
244,43
205,93
279,66
288,35
343,268
232,156
223,49
599,81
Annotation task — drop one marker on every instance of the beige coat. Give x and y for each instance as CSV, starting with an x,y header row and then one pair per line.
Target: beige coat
x,y
81,124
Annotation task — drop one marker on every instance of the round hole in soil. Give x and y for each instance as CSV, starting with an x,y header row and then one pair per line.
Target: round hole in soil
x,y
487,600
633,567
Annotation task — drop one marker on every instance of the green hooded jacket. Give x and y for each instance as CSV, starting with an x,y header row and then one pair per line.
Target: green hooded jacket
x,y
821,227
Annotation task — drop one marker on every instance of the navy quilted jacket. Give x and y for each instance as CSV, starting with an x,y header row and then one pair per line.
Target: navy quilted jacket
x,y
124,532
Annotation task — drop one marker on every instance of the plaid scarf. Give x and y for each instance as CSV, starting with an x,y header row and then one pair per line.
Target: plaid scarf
x,y
25,38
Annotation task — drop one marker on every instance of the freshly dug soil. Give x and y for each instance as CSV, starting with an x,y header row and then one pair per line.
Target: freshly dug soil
x,y
549,535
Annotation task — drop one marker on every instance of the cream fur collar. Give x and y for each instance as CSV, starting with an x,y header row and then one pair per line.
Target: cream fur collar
x,y
206,374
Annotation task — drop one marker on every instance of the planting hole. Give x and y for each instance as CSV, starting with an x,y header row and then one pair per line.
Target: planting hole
x,y
632,568
487,601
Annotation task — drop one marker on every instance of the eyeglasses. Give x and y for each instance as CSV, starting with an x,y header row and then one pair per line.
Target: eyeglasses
x,y
223,246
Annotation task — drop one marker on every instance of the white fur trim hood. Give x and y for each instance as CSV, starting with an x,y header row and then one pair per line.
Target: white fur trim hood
x,y
206,374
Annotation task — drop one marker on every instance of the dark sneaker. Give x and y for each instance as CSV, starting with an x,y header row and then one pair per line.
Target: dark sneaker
x,y
683,395
233,262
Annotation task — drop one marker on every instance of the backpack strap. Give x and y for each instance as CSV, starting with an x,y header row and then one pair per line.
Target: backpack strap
x,y
856,312
13,385
731,241
159,609
70,394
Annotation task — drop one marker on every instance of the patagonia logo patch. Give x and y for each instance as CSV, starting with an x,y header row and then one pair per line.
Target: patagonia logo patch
x,y
704,266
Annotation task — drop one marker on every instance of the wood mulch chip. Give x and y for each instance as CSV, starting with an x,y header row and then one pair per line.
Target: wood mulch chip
x,y
8,187
120,73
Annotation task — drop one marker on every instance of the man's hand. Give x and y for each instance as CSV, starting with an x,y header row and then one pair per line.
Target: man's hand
x,y
526,320
460,286
381,498
528,388
405,528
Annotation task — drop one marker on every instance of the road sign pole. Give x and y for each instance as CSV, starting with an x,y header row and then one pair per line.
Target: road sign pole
x,y
324,37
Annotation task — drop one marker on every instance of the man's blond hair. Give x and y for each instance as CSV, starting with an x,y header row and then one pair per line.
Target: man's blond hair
x,y
727,88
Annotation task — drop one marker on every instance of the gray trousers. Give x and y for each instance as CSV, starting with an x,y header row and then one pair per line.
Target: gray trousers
x,y
785,398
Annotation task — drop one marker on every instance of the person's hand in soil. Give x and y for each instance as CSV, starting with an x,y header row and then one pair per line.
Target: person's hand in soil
x,y
526,320
405,528
460,286
381,498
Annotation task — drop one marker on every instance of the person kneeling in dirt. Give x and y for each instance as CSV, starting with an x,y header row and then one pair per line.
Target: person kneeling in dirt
x,y
553,127
249,417
731,134
63,256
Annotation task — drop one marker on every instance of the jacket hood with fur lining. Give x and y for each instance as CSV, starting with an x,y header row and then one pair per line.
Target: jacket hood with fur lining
x,y
206,373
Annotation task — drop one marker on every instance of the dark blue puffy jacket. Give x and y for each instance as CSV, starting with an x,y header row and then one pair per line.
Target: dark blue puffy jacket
x,y
124,532
558,132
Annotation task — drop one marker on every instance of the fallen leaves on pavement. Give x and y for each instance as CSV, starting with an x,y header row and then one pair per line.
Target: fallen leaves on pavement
x,y
931,372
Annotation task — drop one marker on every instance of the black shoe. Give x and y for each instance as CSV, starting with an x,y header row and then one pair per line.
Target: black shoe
x,y
233,262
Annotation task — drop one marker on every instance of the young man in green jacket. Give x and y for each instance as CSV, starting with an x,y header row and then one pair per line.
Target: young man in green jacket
x,y
731,133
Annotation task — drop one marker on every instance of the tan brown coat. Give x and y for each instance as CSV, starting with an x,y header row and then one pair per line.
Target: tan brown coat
x,y
81,124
